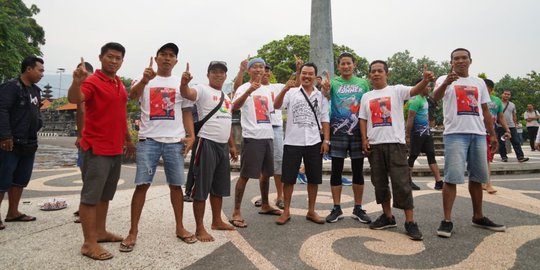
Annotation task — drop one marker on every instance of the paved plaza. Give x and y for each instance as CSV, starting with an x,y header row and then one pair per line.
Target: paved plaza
x,y
53,241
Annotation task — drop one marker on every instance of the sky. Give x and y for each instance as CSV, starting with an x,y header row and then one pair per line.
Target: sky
x,y
500,34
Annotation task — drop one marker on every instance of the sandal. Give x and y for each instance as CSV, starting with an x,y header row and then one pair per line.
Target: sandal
x,y
190,239
126,247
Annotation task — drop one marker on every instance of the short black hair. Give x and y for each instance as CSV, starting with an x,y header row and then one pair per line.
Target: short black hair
x,y
88,67
507,90
460,49
113,46
309,64
346,54
379,62
489,83
30,62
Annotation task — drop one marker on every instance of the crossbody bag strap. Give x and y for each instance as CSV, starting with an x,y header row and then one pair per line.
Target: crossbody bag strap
x,y
506,107
311,106
213,110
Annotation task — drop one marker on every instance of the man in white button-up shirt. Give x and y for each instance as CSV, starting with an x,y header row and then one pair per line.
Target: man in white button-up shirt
x,y
303,138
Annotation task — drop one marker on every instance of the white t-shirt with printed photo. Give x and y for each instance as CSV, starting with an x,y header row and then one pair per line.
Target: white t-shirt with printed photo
x,y
218,127
276,116
161,110
302,128
255,113
383,110
462,108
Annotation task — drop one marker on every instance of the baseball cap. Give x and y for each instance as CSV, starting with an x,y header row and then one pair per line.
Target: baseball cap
x,y
171,46
217,64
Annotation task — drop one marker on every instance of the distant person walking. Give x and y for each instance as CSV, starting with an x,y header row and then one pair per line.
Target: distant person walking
x,y
531,116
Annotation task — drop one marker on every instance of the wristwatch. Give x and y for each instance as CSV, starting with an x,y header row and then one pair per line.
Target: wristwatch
x,y
327,142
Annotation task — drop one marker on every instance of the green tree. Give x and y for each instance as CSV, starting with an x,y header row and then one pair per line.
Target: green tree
x,y
524,91
20,36
59,102
280,55
404,69
132,105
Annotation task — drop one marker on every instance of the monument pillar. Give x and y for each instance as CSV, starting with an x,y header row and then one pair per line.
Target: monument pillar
x,y
321,41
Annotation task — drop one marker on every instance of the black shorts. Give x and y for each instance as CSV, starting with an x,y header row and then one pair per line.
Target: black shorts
x,y
211,170
421,144
292,158
257,158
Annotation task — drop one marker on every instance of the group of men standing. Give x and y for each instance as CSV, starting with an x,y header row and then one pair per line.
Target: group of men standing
x,y
343,118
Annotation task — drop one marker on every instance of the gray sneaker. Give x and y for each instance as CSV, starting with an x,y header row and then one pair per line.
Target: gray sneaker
x,y
413,232
486,223
445,229
383,223
334,216
360,215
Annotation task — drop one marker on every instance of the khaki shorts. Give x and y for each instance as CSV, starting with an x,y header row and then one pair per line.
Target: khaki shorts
x,y
100,177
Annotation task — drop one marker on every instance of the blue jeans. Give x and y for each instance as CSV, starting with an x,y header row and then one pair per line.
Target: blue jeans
x,y
515,140
148,154
465,149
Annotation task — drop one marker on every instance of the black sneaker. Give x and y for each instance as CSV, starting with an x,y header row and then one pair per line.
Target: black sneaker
x,y
414,186
445,229
504,159
335,215
486,223
412,231
383,223
188,198
360,215
523,159
439,185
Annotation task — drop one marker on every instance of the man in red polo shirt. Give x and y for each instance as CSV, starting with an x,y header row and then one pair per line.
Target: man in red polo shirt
x,y
102,144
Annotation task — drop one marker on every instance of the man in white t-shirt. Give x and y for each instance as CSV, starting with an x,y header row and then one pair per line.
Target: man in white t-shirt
x,y
466,119
165,117
531,116
382,127
254,101
211,166
303,138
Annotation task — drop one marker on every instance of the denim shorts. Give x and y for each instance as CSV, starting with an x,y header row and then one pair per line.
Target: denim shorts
x,y
15,170
462,150
148,153
278,149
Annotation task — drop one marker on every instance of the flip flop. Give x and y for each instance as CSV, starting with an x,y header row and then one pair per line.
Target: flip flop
x,y
190,239
126,248
239,223
21,218
318,221
273,212
104,255
284,222
258,203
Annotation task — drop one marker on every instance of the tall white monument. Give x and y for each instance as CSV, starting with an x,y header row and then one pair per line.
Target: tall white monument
x,y
320,45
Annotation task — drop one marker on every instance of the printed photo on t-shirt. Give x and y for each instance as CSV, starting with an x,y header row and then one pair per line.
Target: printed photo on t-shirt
x,y
262,113
381,111
226,106
162,101
467,100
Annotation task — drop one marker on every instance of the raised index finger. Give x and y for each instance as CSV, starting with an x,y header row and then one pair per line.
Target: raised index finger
x,y
151,62
187,67
83,66
425,67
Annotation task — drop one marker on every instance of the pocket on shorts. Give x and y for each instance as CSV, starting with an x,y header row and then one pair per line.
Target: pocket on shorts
x,y
399,155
